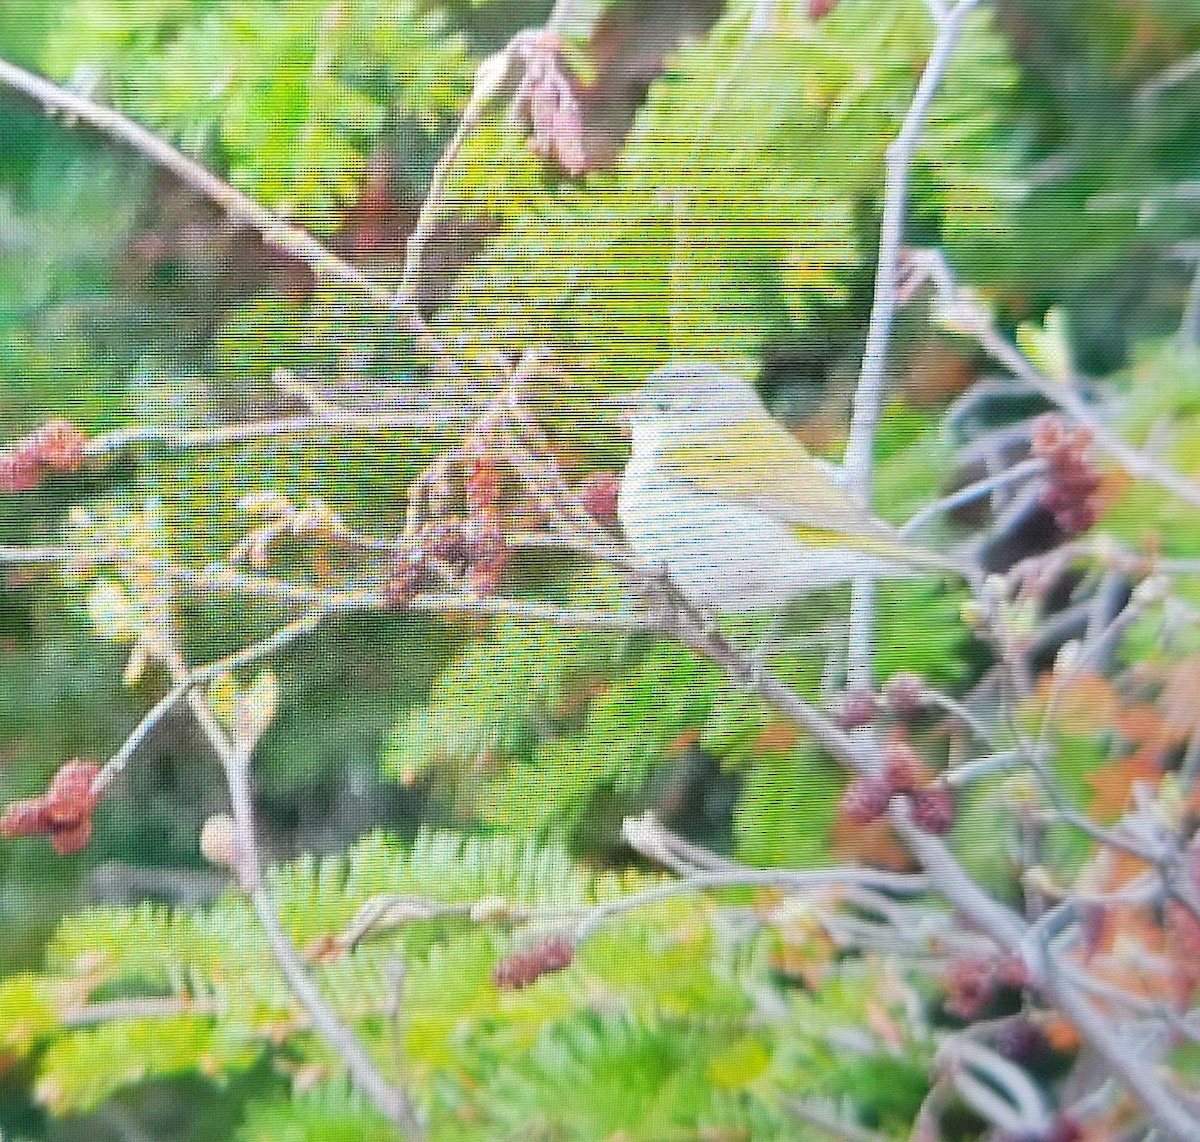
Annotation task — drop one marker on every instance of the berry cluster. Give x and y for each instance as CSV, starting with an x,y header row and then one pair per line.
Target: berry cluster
x,y
904,696
856,707
903,775
528,966
1072,482
57,446
471,547
974,982
63,812
1024,1042
546,104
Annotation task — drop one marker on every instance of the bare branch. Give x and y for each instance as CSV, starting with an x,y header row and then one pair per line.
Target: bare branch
x,y
196,677
868,397
1026,470
743,877
831,1124
391,1101
962,313
327,423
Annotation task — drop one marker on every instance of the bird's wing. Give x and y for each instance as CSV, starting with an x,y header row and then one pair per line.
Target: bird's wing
x,y
764,467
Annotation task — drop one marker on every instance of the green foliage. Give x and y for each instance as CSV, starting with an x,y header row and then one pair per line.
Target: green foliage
x,y
232,1005
786,809
598,717
291,97
651,1008
331,1112
762,229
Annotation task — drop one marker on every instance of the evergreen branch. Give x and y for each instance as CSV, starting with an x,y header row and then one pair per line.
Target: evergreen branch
x,y
868,397
283,236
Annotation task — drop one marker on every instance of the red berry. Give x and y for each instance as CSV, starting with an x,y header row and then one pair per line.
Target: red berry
x,y
856,707
58,444
442,539
1022,1041
1072,483
24,819
485,541
933,810
1012,971
483,484
819,9
72,839
69,798
20,470
1183,930
905,693
971,986
902,768
866,799
1065,1128
599,493
523,968
485,578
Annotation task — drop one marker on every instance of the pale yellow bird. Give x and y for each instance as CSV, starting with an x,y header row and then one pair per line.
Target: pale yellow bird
x,y
734,508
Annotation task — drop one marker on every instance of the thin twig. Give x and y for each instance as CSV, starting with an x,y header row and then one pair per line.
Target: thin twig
x,y
1179,72
147,1007
1055,977
742,877
218,579
327,423
1025,470
391,1101
489,79
964,314
197,676
868,397
1189,323
831,1124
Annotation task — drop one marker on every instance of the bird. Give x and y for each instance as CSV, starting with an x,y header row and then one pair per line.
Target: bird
x,y
734,509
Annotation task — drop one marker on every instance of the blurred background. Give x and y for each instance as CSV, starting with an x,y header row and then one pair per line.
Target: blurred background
x,y
1062,176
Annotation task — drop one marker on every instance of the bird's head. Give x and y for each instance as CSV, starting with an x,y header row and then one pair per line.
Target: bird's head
x,y
691,394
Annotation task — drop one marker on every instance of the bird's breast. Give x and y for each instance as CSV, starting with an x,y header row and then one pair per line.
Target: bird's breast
x,y
722,553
